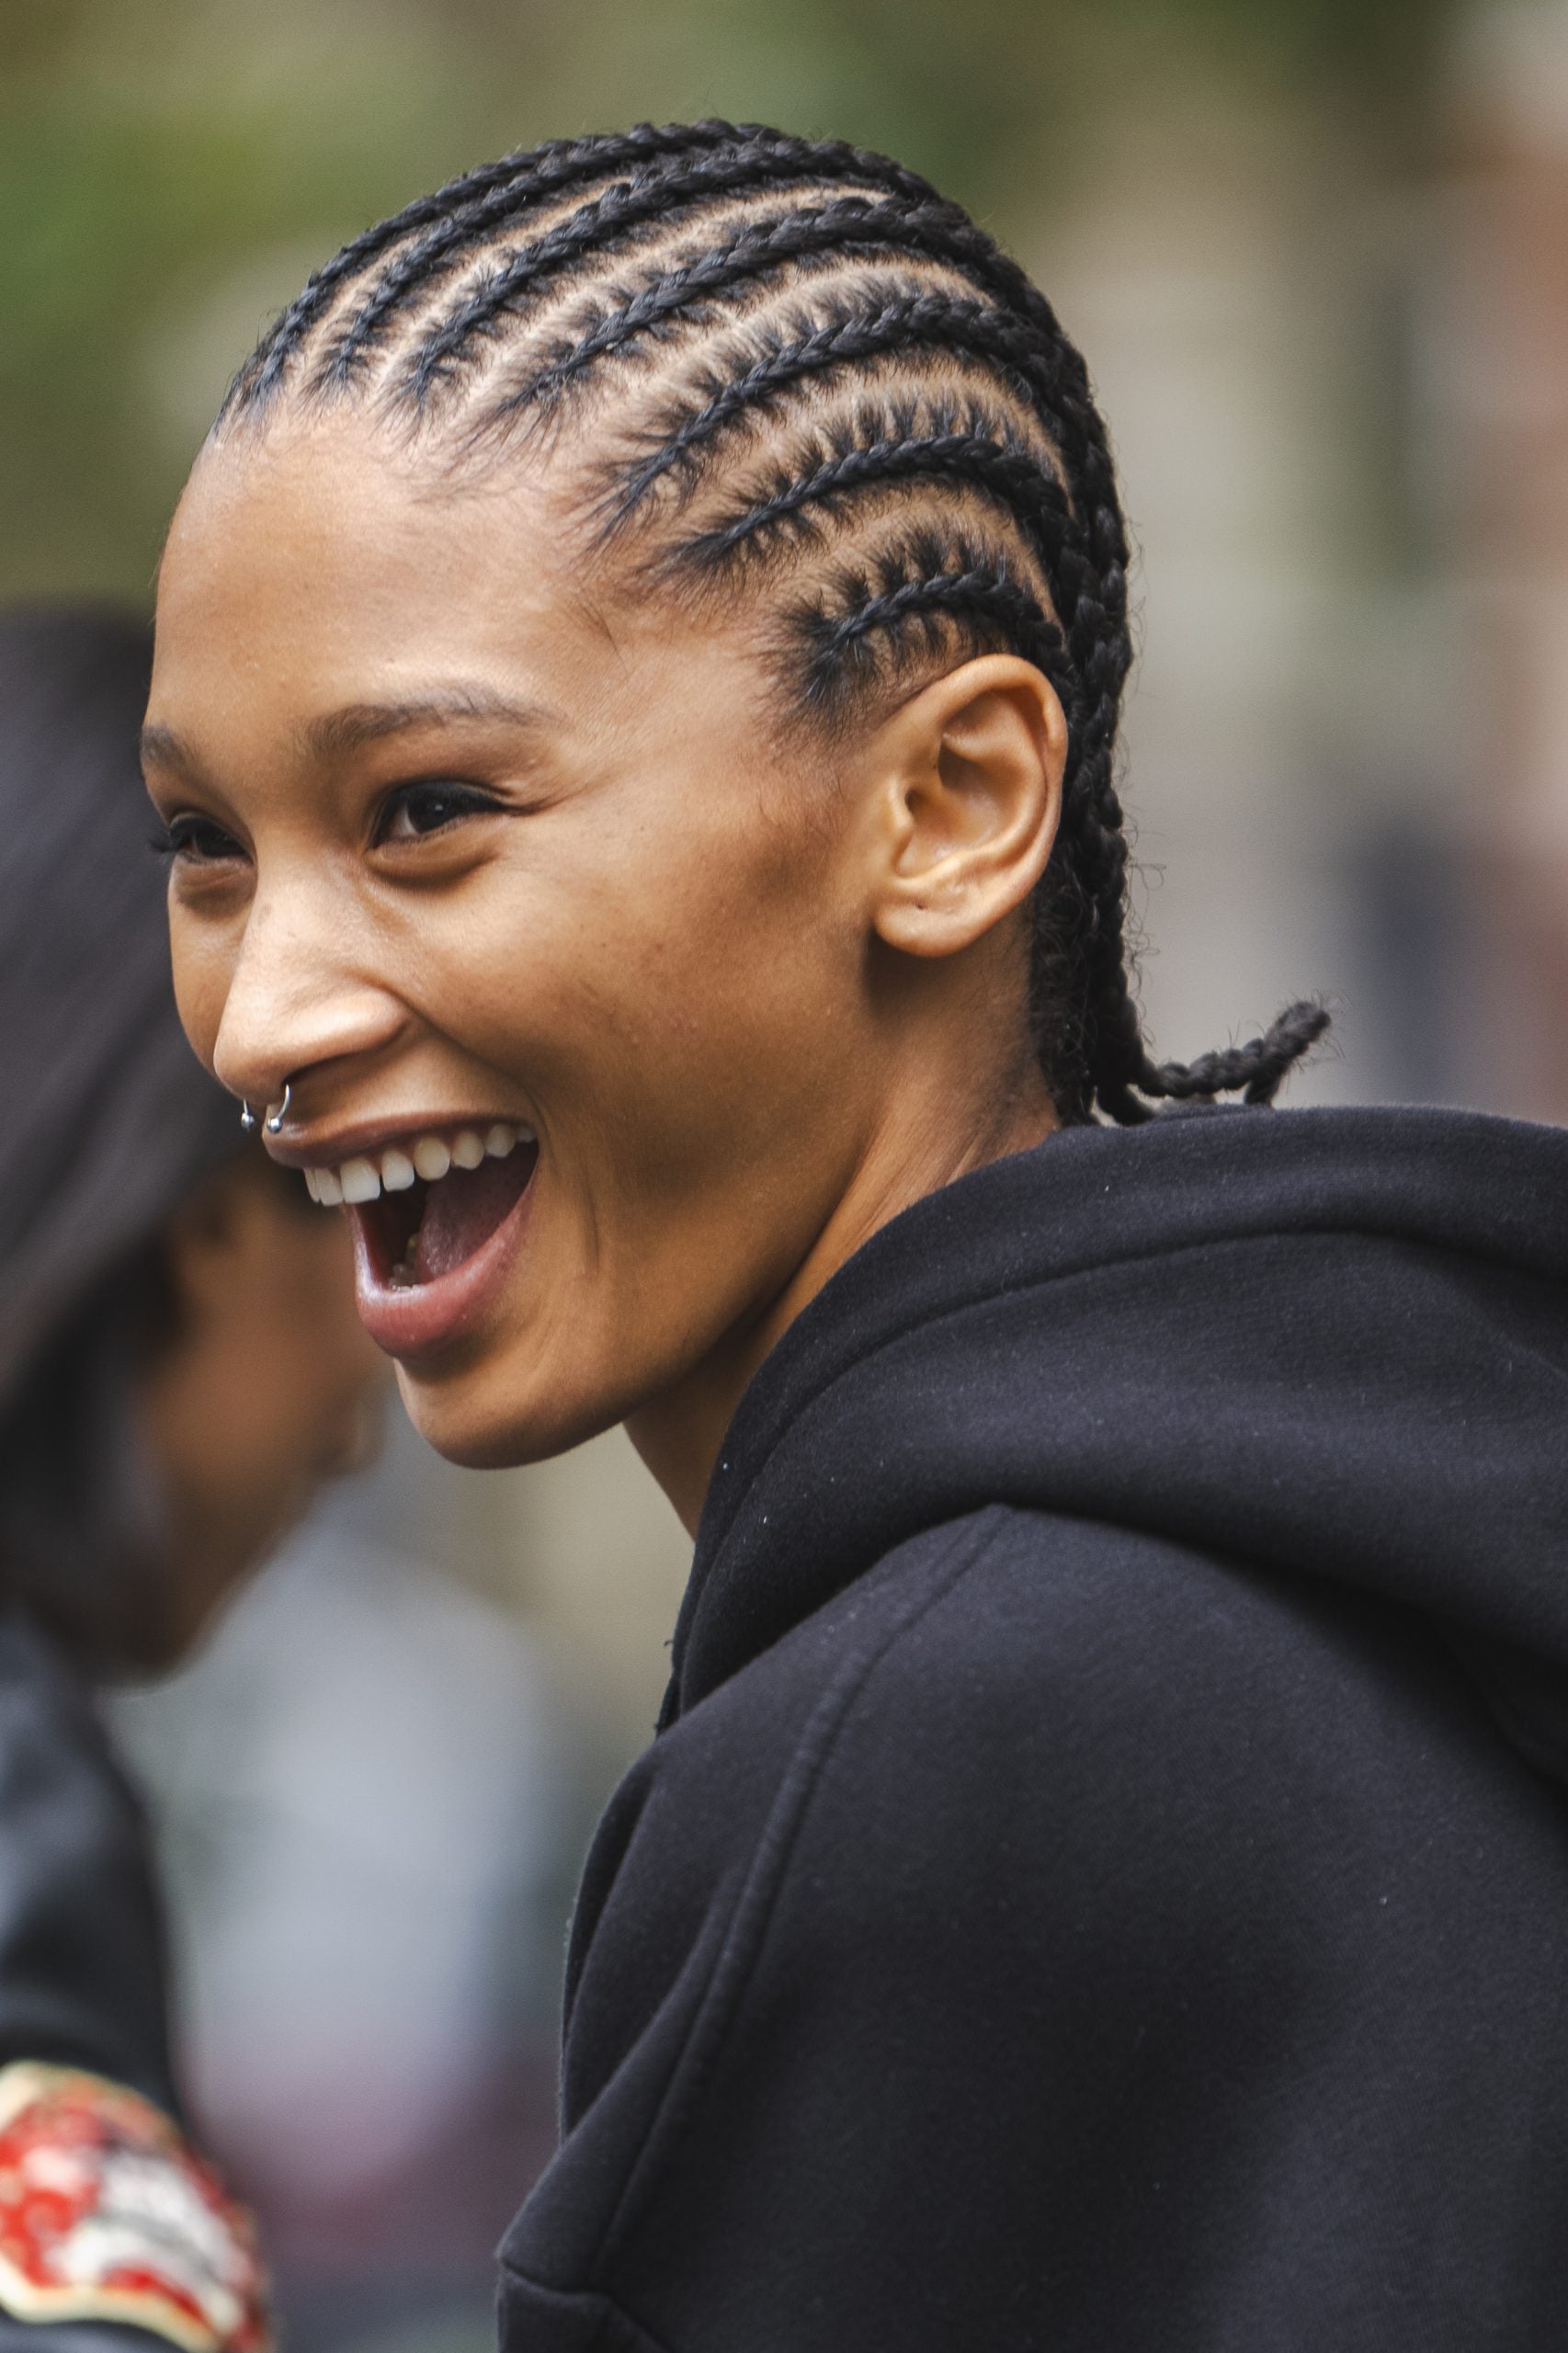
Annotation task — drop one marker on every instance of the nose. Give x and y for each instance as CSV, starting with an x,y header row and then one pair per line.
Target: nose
x,y
299,996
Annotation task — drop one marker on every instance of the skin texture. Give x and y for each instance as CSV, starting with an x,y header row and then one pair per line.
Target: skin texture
x,y
265,1386
754,994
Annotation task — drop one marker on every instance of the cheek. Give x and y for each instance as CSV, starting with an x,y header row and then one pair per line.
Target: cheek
x,y
203,967
641,973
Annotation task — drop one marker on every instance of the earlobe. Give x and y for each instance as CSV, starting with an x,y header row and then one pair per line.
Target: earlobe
x,y
970,793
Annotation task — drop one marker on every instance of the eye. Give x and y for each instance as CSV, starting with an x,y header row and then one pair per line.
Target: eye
x,y
411,810
202,841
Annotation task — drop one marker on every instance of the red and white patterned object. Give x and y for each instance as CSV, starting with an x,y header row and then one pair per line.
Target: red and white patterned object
x,y
107,2214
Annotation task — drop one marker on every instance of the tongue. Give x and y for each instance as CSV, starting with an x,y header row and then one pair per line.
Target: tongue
x,y
464,1210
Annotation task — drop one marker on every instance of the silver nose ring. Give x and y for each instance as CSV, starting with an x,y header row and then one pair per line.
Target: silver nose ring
x,y
250,1122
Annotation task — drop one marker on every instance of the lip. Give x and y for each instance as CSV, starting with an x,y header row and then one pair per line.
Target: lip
x,y
417,1322
363,1140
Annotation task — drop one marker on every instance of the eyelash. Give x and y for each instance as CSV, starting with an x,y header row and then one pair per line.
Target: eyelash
x,y
178,839
183,835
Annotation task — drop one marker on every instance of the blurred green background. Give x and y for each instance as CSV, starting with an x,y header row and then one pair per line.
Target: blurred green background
x,y
169,169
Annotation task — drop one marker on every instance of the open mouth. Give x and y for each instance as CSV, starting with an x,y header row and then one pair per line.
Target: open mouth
x,y
424,1210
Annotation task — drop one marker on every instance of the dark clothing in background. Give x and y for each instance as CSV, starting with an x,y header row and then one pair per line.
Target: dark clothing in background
x,y
81,1940
1102,1883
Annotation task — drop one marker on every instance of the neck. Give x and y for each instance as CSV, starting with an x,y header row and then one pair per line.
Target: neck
x,y
678,1433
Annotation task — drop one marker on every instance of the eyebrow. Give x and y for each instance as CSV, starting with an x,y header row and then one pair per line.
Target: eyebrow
x,y
340,731
162,748
358,723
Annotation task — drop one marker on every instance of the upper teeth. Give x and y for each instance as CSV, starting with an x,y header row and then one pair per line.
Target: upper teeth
x,y
430,1156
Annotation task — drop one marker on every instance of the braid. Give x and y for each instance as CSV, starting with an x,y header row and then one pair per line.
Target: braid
x,y
805,348
909,587
755,250
1006,475
929,229
847,228
606,221
936,479
544,170
1257,1068
267,365
1095,618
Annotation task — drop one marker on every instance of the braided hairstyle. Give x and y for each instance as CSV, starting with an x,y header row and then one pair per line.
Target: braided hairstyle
x,y
791,365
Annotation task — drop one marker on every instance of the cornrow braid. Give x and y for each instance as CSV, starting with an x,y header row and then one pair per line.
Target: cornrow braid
x,y
624,211
914,583
756,248
794,361
544,171
806,348
931,230
985,462
846,229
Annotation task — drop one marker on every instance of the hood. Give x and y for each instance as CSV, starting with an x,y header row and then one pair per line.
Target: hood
x,y
1331,1343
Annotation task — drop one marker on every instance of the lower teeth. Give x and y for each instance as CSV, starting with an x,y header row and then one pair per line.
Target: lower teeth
x,y
402,1276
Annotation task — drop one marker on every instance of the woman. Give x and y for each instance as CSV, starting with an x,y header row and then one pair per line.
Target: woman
x,y
634,714
179,1366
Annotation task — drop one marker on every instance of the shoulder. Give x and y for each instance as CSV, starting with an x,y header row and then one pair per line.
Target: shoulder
x,y
1094,1793
1024,1742
1039,1822
1006,1635
1044,1719
1005,1710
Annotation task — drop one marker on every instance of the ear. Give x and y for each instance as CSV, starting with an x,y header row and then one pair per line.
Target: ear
x,y
966,793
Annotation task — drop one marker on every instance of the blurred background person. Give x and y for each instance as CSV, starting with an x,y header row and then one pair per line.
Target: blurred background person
x,y
180,1366
368,1814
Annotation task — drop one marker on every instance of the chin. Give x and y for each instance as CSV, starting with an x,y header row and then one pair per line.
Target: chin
x,y
477,1418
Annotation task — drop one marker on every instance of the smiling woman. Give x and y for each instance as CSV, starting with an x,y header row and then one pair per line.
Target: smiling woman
x,y
637,679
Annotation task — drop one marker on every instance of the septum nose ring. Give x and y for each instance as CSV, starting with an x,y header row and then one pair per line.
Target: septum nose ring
x,y
250,1122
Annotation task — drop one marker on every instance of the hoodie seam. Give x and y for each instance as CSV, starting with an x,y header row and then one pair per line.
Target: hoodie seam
x,y
724,2000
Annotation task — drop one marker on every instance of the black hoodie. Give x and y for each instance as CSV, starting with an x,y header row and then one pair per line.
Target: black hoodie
x,y
1102,1880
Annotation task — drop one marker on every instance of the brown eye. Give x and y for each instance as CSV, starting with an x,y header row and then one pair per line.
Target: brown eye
x,y
200,841
416,809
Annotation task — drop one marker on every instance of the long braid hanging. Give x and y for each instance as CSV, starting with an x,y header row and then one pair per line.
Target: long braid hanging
x,y
732,294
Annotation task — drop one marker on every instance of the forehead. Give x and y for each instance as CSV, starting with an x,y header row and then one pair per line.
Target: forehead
x,y
319,556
